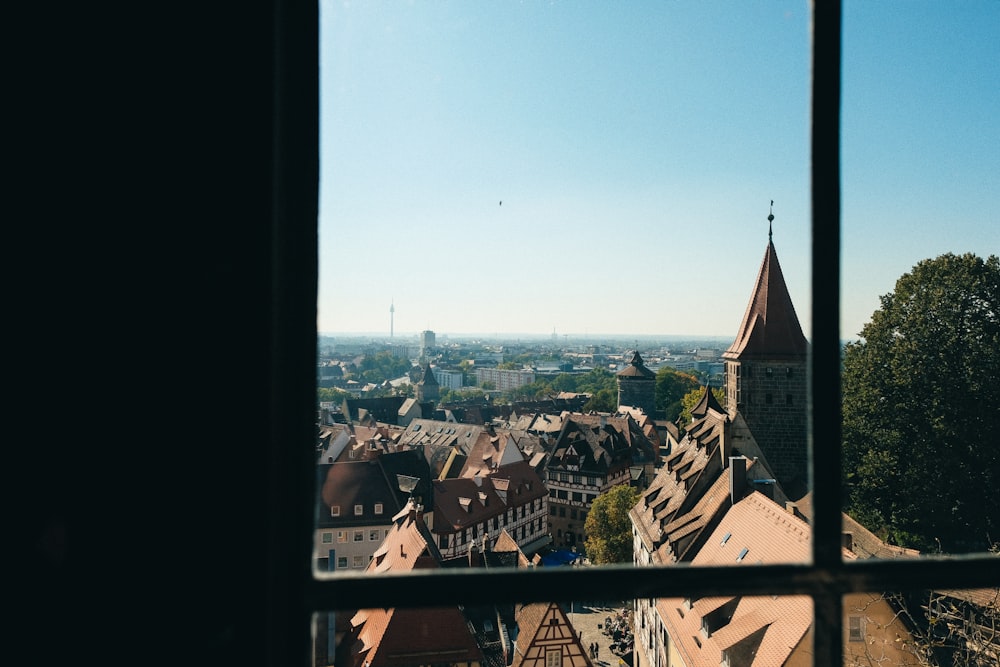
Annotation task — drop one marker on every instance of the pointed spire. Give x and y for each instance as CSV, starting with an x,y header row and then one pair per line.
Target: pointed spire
x,y
707,401
770,328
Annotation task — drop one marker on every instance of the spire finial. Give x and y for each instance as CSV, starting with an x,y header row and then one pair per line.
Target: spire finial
x,y
770,219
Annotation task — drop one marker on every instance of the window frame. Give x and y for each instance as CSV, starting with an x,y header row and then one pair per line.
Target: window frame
x,y
296,593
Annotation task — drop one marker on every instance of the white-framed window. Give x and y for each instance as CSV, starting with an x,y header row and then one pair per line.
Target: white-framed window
x,y
342,562
358,561
553,657
334,510
327,538
359,536
341,535
378,508
359,510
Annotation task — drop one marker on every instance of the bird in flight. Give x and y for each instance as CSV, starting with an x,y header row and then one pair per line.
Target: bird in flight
x,y
501,202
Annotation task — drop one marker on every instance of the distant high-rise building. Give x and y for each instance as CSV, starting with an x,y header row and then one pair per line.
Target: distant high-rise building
x,y
766,374
427,342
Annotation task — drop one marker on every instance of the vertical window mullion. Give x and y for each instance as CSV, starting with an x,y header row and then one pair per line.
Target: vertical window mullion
x,y
824,413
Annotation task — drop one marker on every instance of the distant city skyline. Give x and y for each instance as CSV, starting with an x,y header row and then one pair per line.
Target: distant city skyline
x,y
636,150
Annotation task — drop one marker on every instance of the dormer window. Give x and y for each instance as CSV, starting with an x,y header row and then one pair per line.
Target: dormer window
x,y
378,508
359,510
334,510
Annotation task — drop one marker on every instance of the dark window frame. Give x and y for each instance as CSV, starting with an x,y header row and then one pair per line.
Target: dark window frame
x,y
295,593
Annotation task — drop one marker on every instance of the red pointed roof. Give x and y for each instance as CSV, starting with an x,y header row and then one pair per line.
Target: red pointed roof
x,y
770,328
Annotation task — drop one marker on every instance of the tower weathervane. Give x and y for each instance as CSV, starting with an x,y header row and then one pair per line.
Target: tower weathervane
x,y
770,219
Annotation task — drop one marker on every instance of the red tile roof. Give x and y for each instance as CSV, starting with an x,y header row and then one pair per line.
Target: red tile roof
x,y
770,328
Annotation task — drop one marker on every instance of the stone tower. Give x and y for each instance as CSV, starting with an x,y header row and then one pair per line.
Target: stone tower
x,y
766,375
637,386
428,389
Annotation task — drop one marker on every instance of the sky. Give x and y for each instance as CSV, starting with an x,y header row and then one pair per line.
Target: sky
x,y
585,168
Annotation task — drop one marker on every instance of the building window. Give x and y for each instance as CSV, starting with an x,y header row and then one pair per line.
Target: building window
x,y
359,561
327,538
359,510
378,508
341,535
856,629
335,510
342,562
372,535
359,536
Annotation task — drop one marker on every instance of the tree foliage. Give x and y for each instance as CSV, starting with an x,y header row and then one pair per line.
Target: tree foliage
x,y
608,529
921,408
671,386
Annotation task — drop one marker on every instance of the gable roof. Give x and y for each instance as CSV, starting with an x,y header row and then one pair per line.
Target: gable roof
x,y
465,501
706,403
765,628
544,626
770,328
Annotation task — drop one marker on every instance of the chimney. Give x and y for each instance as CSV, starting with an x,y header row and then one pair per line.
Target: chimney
x,y
477,479
737,478
848,540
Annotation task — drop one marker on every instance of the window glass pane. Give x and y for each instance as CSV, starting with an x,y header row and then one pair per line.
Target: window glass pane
x,y
921,305
492,147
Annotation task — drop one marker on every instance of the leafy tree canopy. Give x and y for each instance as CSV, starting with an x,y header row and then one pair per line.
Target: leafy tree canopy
x,y
608,529
331,394
671,385
921,409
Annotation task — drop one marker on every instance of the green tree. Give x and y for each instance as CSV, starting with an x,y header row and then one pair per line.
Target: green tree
x,y
608,529
671,385
921,409
331,394
604,400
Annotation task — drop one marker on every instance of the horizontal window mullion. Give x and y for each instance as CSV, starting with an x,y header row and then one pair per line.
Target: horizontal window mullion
x,y
563,584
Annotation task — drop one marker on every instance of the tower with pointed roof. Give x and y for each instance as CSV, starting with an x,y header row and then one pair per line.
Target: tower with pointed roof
x,y
766,373
428,390
637,386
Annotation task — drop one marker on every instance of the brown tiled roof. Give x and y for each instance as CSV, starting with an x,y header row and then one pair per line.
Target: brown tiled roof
x,y
462,501
707,402
755,530
863,542
770,328
636,369
402,637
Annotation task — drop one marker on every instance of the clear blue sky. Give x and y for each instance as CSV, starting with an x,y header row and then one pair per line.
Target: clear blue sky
x,y
636,148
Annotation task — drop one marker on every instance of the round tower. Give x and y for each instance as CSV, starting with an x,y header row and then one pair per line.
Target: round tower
x,y
637,386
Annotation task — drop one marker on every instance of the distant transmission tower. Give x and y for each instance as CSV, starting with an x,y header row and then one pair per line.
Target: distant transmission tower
x,y
392,315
